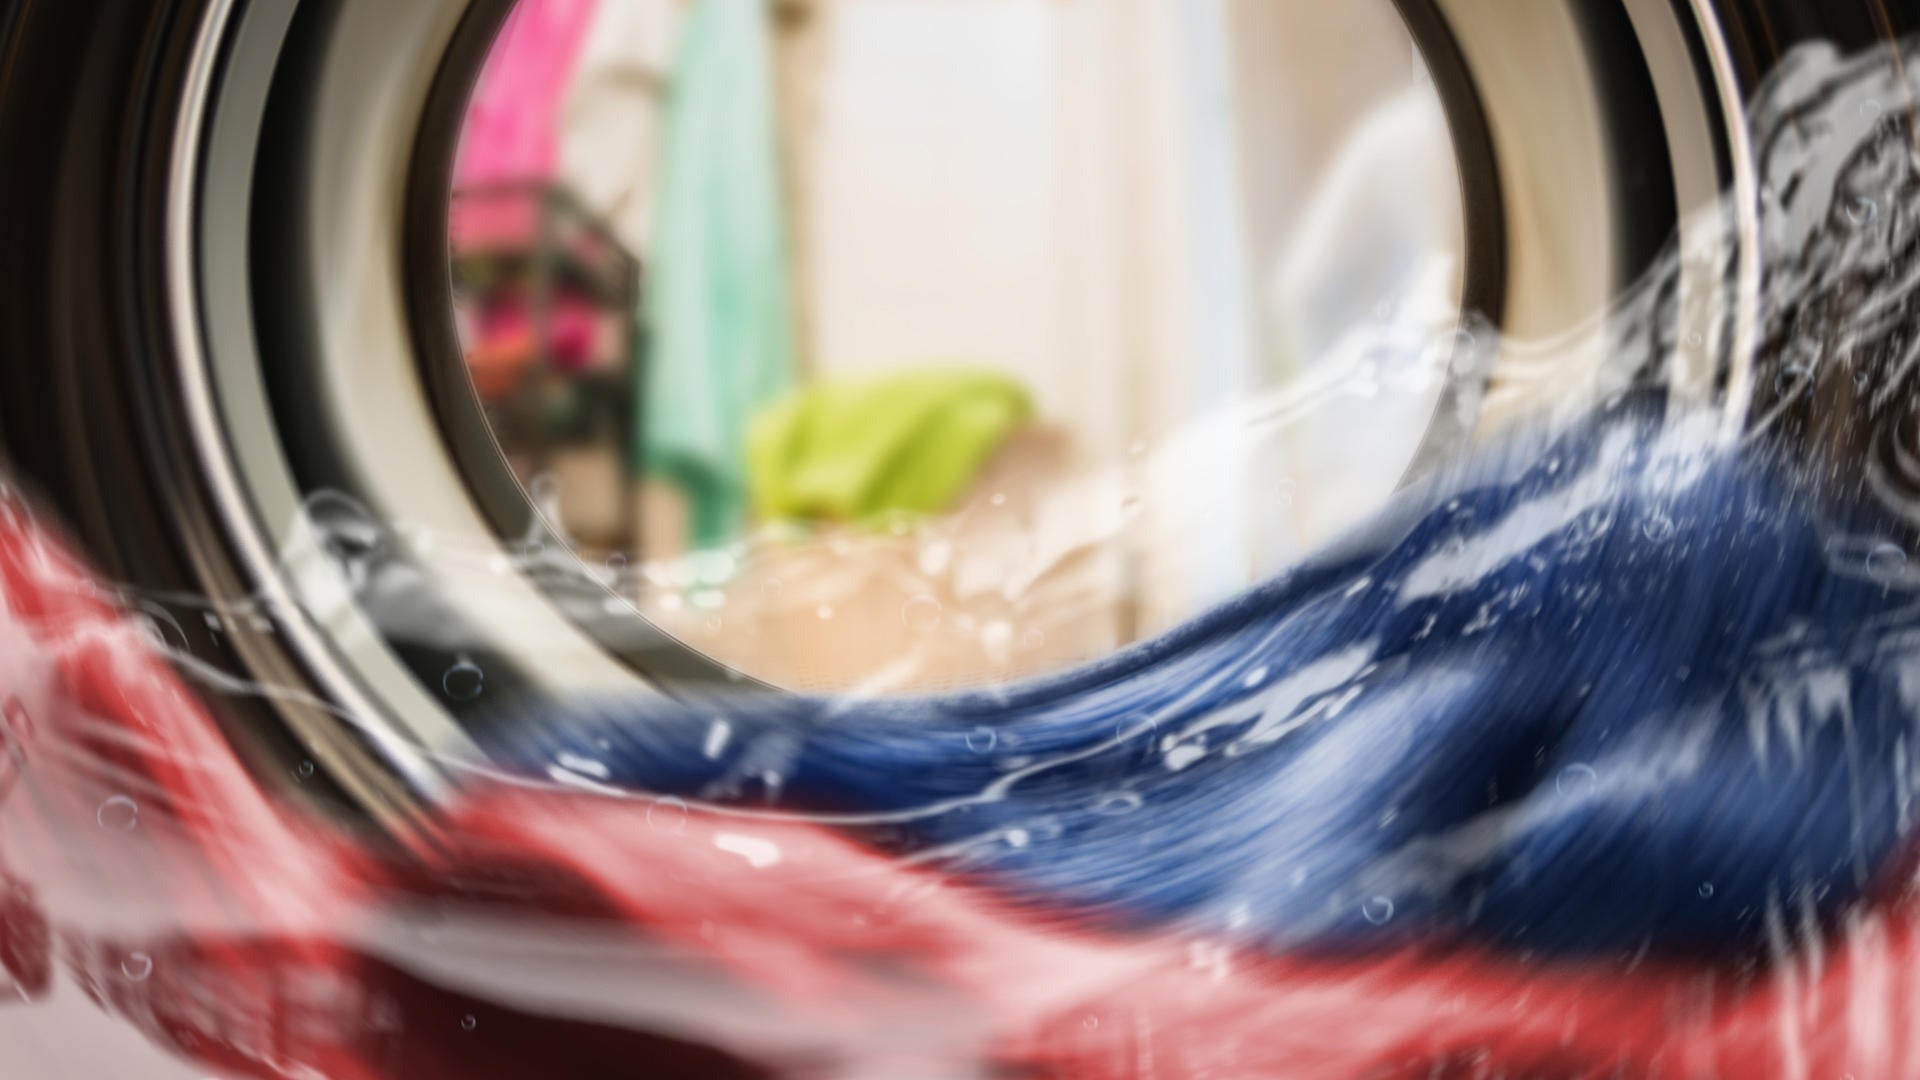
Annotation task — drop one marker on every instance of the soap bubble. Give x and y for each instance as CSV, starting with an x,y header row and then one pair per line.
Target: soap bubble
x,y
464,681
667,815
1886,561
1576,780
137,966
118,814
921,614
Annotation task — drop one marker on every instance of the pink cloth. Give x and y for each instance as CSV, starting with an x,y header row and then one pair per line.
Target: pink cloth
x,y
512,123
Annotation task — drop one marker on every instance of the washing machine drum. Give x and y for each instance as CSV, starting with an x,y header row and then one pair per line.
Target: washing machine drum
x,y
231,366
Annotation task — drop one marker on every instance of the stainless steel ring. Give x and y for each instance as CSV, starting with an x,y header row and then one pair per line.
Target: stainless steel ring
x,y
364,90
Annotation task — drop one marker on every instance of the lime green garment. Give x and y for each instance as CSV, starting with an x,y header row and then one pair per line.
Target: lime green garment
x,y
908,442
718,296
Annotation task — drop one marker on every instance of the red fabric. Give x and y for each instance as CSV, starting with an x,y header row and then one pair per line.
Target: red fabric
x,y
255,921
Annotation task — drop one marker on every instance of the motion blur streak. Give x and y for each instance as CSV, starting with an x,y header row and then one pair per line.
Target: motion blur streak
x,y
1701,864
1618,683
134,844
1620,690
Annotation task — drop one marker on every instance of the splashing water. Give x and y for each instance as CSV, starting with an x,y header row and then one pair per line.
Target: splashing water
x,y
1579,731
1591,754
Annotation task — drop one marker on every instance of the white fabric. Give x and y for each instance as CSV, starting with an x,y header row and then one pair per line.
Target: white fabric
x,y
610,123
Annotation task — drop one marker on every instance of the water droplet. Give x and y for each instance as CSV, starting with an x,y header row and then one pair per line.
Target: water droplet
x,y
716,566
469,1022
137,966
580,766
1706,890
982,740
997,638
1861,210
1576,781
1184,755
1378,911
464,681
1125,802
824,612
1239,916
165,632
304,770
118,814
759,852
667,815
1090,1022
921,614
1465,360
1594,526
718,734
1886,561
1792,380
1658,528
936,558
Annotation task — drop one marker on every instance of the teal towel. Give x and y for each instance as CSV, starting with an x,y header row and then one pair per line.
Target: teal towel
x,y
719,299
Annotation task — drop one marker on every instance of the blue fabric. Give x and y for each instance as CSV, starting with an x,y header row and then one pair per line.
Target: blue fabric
x,y
1605,691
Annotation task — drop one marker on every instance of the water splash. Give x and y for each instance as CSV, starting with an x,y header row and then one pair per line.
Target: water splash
x,y
333,936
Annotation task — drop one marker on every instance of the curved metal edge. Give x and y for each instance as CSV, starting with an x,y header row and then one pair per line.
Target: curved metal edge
x,y
1744,340
183,254
1484,288
651,653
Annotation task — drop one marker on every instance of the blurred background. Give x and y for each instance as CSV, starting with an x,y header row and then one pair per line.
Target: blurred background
x,y
898,345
